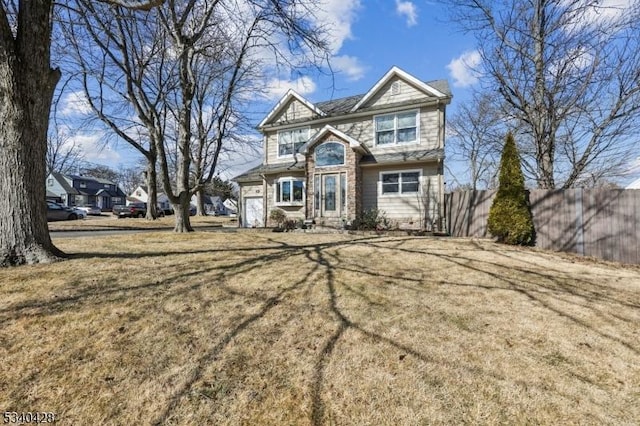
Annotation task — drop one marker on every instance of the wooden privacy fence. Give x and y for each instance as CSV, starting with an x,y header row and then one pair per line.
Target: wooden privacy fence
x,y
603,223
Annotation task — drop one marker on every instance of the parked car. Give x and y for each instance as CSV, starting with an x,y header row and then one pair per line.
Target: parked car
x,y
91,210
133,210
57,211
81,213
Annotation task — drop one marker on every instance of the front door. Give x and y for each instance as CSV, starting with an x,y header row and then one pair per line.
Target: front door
x,y
330,195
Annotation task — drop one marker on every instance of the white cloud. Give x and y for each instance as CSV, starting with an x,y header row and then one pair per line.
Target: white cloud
x,y
337,16
463,69
408,10
277,88
607,10
94,149
349,65
75,104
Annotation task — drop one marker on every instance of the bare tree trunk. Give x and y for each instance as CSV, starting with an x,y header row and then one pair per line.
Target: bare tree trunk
x,y
27,83
200,203
183,223
152,185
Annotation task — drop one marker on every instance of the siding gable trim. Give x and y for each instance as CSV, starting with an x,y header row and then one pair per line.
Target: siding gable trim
x,y
397,72
291,94
353,143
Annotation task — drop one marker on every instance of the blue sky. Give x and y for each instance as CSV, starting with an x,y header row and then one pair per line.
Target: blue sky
x,y
367,38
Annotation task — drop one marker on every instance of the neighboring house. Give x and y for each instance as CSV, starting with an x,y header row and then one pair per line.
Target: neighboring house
x,y
73,190
231,206
213,205
60,189
331,161
141,195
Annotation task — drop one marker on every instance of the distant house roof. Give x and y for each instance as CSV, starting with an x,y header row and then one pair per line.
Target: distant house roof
x,y
62,180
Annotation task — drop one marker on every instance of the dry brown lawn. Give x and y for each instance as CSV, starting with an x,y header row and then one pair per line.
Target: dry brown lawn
x,y
107,221
312,329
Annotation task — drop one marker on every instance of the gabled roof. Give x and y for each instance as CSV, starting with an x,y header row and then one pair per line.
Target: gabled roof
x,y
291,94
92,179
397,72
62,180
354,144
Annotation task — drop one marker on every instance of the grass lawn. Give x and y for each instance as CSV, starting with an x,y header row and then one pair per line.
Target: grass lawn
x,y
108,221
312,329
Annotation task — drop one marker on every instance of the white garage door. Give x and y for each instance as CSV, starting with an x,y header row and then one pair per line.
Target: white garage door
x,y
253,212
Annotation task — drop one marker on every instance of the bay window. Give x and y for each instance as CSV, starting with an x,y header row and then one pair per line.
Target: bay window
x,y
289,191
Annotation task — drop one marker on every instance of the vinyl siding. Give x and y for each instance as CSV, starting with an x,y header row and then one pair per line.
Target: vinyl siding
x,y
362,129
403,208
294,110
386,96
292,212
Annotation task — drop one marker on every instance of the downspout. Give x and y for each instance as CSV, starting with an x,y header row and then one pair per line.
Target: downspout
x,y
264,200
441,130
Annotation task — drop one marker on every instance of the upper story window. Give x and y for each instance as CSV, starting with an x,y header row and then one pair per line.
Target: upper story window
x,y
393,129
50,182
330,154
290,141
83,185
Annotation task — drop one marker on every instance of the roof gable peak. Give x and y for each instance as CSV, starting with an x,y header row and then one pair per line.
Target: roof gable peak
x,y
291,94
396,72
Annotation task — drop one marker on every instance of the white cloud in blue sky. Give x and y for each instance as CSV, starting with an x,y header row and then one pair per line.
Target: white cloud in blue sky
x,y
337,17
463,69
277,88
75,104
350,66
407,10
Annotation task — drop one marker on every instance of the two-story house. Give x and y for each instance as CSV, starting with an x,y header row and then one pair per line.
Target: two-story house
x,y
331,161
75,190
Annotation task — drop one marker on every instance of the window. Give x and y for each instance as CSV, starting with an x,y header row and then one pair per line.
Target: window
x,y
290,141
50,182
330,154
83,184
400,182
289,191
395,129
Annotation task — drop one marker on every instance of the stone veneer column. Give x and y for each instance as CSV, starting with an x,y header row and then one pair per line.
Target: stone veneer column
x,y
352,169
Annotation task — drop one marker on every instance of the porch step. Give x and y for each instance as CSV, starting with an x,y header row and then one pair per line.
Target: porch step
x,y
330,223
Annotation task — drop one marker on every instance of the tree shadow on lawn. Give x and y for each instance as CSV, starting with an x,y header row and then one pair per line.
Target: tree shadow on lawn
x,y
324,262
536,285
